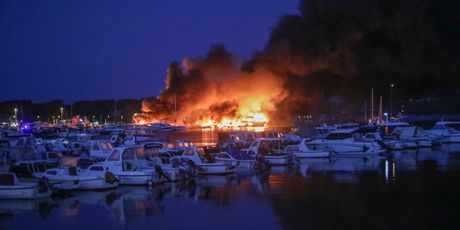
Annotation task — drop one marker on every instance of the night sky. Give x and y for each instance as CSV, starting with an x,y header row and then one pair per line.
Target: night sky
x,y
87,50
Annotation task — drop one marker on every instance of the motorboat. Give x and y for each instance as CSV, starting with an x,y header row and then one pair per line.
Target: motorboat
x,y
449,131
272,149
201,159
97,177
306,150
71,178
346,143
99,148
62,178
241,159
154,156
124,163
180,146
413,134
12,188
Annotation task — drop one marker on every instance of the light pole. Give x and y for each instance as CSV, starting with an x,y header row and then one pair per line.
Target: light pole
x,y
391,99
62,113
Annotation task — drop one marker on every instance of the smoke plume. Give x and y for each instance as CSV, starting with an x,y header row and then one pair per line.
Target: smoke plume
x,y
324,59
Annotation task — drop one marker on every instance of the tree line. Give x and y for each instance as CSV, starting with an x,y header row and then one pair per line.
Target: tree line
x,y
98,110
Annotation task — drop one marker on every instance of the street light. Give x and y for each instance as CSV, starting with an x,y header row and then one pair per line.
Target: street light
x,y
62,113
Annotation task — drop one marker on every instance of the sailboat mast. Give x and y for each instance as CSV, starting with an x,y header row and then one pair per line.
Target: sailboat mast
x,y
175,109
372,104
365,110
380,110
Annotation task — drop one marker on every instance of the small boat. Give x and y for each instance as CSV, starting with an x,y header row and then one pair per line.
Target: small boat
x,y
12,188
124,163
62,178
241,159
304,150
204,163
97,177
71,178
99,148
154,156
272,149
244,161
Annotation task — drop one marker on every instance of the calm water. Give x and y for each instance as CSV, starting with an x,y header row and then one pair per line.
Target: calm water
x,y
416,189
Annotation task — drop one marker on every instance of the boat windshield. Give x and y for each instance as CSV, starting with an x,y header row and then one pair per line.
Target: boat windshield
x,y
115,155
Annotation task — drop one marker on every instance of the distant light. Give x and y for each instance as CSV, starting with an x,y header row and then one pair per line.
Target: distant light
x,y
385,114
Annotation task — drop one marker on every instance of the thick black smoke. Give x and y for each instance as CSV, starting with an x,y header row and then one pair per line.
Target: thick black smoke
x,y
340,49
328,56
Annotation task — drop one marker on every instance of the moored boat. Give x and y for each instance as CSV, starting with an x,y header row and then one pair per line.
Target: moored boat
x,y
12,188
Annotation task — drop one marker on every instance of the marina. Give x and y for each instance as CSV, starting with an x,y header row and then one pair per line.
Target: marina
x,y
287,195
304,114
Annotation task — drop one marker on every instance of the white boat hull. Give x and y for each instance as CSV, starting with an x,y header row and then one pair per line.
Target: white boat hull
x,y
279,160
311,154
240,164
96,183
65,184
135,179
343,148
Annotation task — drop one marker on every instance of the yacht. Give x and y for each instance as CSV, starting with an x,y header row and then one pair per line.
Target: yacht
x,y
449,131
346,143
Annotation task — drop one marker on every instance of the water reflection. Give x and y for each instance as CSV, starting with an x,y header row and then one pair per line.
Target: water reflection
x,y
318,193
343,169
444,157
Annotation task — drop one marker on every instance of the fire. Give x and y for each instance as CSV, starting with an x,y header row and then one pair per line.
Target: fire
x,y
249,115
212,91
253,120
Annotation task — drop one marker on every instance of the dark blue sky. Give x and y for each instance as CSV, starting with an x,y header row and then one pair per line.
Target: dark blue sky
x,y
75,50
